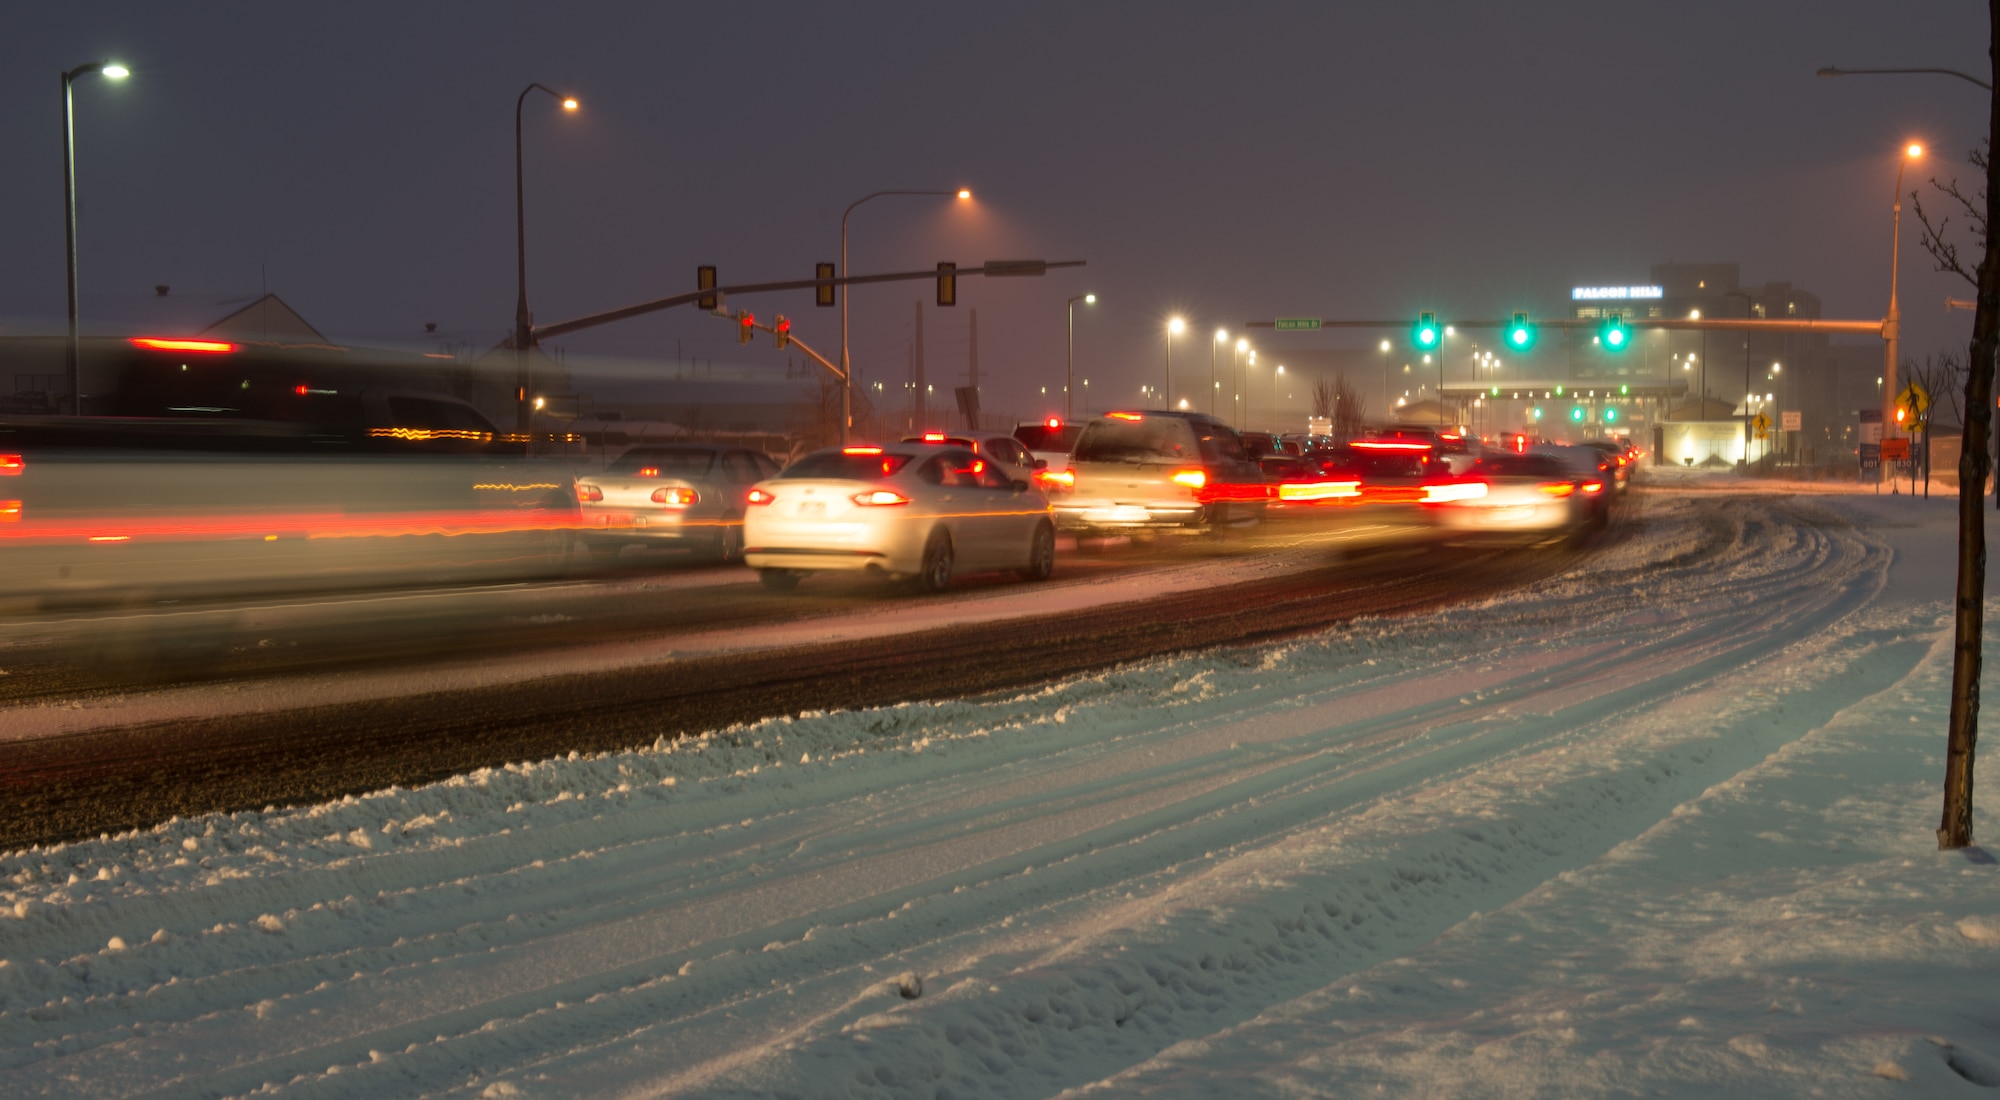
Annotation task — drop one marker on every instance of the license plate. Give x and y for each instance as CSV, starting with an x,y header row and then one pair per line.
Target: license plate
x,y
811,508
616,519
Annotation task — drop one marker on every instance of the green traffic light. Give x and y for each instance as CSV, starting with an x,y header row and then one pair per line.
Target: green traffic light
x,y
1520,333
1427,332
1615,334
1610,415
1576,413
1538,412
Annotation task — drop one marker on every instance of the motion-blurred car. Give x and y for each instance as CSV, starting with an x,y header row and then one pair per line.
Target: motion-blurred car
x,y
687,495
1309,483
1004,449
1535,495
909,510
1259,445
1049,443
1140,471
1618,459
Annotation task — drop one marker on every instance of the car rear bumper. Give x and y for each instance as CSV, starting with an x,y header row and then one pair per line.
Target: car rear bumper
x,y
1088,515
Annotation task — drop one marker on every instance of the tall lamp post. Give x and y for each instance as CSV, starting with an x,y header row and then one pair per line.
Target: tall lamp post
x,y
1069,356
523,334
846,370
112,71
1892,324
1174,328
1214,378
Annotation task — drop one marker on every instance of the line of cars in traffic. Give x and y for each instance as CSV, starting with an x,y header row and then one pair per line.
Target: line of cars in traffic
x,y
932,507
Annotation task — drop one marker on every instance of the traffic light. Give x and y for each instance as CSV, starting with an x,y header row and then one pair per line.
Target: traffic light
x,y
947,284
823,294
746,327
1576,414
704,279
1538,412
1614,334
1520,333
1611,414
781,331
1426,332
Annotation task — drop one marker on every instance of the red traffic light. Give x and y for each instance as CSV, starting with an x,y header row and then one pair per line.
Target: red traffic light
x,y
746,327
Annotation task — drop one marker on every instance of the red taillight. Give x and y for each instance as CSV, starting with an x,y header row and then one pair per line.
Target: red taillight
x,y
1388,445
1193,479
1558,488
158,344
758,496
679,498
1319,490
585,494
649,471
1052,423
11,465
1125,416
880,497
861,450
1593,486
1064,480
10,511
300,389
934,437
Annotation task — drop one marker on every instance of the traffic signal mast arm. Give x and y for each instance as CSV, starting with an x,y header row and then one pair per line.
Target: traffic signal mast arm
x,y
791,340
1718,324
990,267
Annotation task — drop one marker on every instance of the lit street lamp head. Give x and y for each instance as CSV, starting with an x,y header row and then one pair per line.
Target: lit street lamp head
x,y
1175,326
965,192
1221,336
1914,151
1243,345
1090,299
114,71
569,103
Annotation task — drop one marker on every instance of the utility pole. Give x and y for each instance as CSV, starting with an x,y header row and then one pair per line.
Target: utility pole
x,y
920,419
972,371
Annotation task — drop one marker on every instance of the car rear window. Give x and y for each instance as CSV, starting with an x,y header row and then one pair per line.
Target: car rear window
x,y
1041,437
670,462
847,467
1154,439
1506,465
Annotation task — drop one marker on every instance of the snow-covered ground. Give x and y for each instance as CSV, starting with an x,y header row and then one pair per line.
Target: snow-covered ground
x,y
1662,825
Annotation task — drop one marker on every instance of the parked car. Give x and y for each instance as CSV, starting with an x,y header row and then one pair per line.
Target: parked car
x,y
907,510
682,495
1137,471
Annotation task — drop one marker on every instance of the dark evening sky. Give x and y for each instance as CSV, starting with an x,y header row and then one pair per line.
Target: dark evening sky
x,y
1224,162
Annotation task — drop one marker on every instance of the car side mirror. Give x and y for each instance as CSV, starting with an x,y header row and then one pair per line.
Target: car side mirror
x,y
1041,464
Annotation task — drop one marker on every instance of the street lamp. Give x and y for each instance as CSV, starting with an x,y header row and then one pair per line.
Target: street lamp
x,y
112,71
846,371
522,333
1069,354
1175,326
1892,325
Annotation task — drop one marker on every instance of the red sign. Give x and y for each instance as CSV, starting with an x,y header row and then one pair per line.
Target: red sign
x,y
1896,449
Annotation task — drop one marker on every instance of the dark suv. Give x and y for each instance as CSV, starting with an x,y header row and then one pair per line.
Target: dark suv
x,y
1140,470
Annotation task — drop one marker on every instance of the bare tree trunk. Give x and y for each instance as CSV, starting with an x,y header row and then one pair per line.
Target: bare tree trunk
x,y
1955,830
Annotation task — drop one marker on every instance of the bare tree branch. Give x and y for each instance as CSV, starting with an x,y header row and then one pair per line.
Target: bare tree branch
x,y
1937,239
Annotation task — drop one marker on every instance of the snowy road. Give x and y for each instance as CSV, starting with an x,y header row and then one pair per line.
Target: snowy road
x,y
1259,869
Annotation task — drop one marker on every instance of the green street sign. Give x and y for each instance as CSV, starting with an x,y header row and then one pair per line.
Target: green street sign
x,y
1295,324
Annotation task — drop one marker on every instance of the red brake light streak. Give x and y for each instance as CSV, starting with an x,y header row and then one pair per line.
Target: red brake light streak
x,y
157,343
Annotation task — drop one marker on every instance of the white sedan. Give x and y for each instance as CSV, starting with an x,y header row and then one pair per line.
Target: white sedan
x,y
902,510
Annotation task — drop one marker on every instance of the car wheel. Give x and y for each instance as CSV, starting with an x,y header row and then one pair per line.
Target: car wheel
x,y
778,580
1041,554
729,541
935,575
